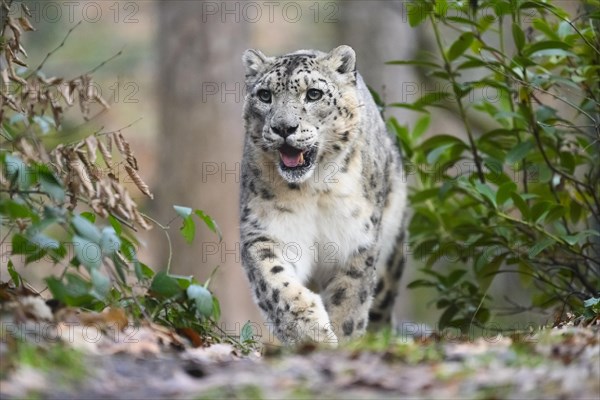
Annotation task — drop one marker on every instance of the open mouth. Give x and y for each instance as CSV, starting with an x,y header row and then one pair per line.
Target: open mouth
x,y
295,159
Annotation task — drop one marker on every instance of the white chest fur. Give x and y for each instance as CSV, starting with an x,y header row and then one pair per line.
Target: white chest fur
x,y
320,226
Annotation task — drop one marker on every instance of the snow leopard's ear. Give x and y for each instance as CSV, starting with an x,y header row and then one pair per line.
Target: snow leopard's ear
x,y
342,59
255,62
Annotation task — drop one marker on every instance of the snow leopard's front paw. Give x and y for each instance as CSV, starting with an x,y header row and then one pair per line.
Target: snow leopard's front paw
x,y
305,320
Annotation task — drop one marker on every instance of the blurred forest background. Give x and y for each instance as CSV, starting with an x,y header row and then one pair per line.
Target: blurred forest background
x,y
179,96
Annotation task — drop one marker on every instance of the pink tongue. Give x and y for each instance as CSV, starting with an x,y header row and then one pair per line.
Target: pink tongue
x,y
290,160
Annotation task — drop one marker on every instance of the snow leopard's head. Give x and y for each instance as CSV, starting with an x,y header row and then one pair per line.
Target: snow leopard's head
x,y
300,108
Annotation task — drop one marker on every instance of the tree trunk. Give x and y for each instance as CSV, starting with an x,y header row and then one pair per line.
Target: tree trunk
x,y
200,143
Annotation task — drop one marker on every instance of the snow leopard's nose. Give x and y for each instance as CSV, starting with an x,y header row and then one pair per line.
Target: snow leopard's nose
x,y
284,130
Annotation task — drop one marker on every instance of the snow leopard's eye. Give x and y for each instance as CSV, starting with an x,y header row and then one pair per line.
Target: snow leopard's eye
x,y
313,94
264,95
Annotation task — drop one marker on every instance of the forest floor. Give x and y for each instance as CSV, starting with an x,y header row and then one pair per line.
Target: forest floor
x,y
69,360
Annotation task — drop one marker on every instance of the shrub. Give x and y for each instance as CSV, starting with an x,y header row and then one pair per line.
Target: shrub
x,y
63,200
520,193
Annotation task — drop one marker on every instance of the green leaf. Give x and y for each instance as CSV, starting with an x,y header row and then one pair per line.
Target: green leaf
x,y
216,314
75,292
403,136
16,169
519,152
591,302
447,316
441,140
14,210
43,242
87,252
504,192
460,45
247,333
525,273
557,211
54,190
128,249
540,246
455,276
518,36
49,183
482,315
183,212
14,275
376,97
188,229
417,12
121,267
539,211
147,272
57,288
86,229
521,205
116,225
183,280
423,195
100,283
109,242
90,216
210,223
579,237
472,63
486,192
487,273
139,273
544,27
165,286
546,45
202,298
421,126
22,245
420,283
434,155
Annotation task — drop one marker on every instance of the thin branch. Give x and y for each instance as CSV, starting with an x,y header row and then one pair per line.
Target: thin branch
x,y
105,62
536,134
461,109
166,231
556,97
100,133
123,222
547,7
39,67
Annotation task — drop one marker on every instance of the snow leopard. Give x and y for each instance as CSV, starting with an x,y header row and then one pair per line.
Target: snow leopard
x,y
323,197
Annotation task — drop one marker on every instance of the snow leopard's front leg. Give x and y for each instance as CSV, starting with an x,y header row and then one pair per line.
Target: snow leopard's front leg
x,y
297,313
348,295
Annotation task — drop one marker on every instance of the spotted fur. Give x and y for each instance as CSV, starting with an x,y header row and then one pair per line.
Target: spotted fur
x,y
322,198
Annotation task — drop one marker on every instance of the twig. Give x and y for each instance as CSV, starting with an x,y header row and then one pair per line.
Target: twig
x,y
23,191
39,67
105,62
556,97
166,231
123,222
479,306
100,133
461,109
547,7
536,134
